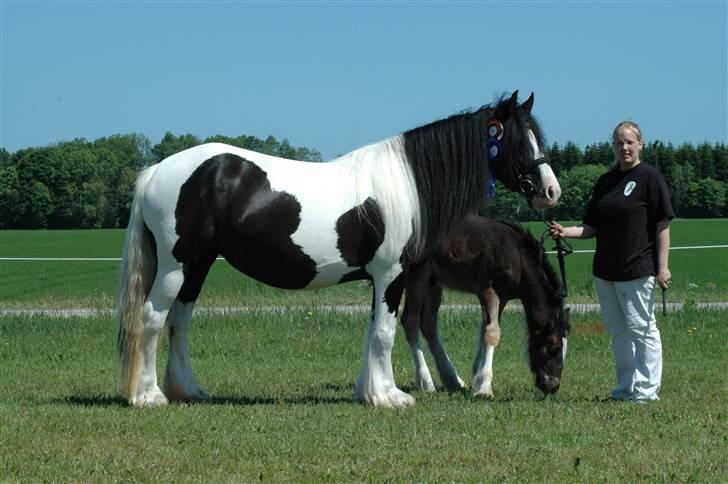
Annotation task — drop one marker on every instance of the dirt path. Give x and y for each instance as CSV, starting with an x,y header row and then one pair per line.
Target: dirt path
x,y
89,312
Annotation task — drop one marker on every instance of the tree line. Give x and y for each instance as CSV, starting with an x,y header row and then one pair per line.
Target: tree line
x,y
83,184
697,177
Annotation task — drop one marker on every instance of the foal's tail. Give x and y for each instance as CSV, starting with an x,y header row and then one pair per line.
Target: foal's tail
x,y
138,268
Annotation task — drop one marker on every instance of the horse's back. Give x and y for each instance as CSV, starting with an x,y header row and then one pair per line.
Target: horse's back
x,y
286,223
479,252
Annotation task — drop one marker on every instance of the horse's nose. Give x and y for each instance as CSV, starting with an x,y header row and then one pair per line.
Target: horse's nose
x,y
553,193
549,384
550,192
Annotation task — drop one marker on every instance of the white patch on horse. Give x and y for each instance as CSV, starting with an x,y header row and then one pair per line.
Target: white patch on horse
x,y
552,189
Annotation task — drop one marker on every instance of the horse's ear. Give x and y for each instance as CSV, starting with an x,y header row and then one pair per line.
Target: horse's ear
x,y
504,109
528,104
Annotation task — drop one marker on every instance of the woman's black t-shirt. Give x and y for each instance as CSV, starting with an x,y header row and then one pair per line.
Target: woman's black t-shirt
x,y
624,209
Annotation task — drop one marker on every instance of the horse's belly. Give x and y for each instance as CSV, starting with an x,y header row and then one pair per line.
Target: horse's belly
x,y
292,270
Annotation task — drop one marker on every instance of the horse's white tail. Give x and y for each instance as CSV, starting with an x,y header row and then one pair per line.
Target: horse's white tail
x,y
136,275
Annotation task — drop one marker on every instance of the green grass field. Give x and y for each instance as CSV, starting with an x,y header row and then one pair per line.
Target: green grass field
x,y
698,275
283,409
282,386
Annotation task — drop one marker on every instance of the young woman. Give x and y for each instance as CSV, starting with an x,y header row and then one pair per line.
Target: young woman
x,y
629,213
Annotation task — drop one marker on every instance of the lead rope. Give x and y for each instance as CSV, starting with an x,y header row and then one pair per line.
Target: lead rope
x,y
563,248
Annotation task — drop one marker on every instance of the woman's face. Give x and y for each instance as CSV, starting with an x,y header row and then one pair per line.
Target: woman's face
x,y
627,146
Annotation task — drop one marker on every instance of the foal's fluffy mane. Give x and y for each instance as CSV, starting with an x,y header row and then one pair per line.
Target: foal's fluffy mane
x,y
537,256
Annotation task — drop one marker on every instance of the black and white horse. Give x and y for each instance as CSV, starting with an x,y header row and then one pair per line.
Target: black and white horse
x,y
497,261
299,225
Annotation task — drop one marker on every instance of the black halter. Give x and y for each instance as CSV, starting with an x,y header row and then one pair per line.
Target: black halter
x,y
494,146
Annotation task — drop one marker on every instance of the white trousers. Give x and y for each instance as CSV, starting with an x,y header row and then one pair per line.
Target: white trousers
x,y
628,310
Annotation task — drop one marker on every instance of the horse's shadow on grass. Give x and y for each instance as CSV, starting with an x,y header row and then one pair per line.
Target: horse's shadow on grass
x,y
223,400
319,397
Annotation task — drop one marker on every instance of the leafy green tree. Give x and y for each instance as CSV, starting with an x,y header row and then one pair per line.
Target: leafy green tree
x,y
269,146
720,162
505,204
9,196
172,144
576,189
35,207
5,157
706,198
599,154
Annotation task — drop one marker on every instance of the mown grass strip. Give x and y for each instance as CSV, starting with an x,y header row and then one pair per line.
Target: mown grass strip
x,y
282,407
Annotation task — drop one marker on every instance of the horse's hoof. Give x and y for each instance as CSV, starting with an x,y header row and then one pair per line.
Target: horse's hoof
x,y
191,396
396,398
485,393
458,386
426,386
152,399
393,398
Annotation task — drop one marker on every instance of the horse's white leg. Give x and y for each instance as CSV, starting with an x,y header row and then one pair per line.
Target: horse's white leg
x,y
375,384
179,380
489,339
448,374
154,314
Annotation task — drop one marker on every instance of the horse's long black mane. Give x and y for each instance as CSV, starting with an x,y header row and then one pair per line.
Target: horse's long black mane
x,y
450,166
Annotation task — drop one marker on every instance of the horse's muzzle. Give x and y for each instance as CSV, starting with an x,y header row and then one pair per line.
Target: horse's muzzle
x,y
548,384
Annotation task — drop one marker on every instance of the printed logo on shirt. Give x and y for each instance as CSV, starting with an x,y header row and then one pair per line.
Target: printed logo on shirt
x,y
629,188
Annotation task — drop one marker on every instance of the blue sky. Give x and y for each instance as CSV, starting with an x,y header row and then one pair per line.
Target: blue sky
x,y
339,75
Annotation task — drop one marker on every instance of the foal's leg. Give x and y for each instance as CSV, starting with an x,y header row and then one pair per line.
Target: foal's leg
x,y
448,374
375,384
489,339
415,301
154,314
179,380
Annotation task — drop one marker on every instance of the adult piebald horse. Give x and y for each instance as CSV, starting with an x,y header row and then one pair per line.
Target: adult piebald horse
x,y
297,225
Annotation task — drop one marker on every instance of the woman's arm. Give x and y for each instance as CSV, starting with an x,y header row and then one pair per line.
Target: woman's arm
x,y
581,231
663,249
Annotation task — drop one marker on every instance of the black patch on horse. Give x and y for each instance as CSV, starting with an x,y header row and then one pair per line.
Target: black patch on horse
x,y
227,207
360,233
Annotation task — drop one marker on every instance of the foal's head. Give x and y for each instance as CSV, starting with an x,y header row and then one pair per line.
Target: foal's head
x,y
547,351
548,320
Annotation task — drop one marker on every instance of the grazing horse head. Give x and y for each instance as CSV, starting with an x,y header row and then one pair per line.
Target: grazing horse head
x,y
517,155
548,322
547,351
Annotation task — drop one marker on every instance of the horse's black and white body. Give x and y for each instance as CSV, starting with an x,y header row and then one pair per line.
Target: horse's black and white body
x,y
299,225
496,261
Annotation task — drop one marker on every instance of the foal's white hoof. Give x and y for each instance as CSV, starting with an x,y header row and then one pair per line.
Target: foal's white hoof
x,y
482,388
426,385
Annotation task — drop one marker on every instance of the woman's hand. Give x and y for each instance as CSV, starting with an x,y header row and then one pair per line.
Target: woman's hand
x,y
663,277
557,230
